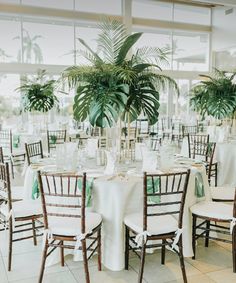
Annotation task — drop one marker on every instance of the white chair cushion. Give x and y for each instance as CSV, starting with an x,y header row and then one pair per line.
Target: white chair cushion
x,y
156,225
213,210
23,208
69,226
222,193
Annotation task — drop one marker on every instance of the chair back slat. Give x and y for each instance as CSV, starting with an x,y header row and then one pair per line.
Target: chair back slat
x,y
55,137
63,196
6,140
1,155
33,151
191,130
5,185
164,194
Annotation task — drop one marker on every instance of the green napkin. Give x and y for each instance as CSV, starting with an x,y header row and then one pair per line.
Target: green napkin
x,y
53,139
16,141
35,189
153,187
199,186
88,191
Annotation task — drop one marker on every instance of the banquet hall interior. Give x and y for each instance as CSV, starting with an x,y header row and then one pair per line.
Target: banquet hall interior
x,y
117,141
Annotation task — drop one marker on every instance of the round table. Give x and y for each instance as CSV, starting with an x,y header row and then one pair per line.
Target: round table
x,y
114,197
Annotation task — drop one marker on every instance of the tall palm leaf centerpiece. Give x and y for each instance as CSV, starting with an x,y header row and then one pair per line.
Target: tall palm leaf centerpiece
x,y
117,84
38,93
215,95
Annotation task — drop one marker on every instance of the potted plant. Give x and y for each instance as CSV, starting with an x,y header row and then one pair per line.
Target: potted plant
x,y
118,84
215,95
38,95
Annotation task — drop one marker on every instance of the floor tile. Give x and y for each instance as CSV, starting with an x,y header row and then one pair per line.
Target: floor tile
x,y
106,276
223,276
195,279
59,277
211,259
168,272
27,265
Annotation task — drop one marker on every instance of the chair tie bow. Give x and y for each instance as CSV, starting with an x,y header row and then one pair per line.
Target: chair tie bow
x,y
178,233
78,239
142,238
232,224
47,235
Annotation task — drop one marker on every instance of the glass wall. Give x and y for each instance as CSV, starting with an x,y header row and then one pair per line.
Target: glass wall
x,y
30,41
190,51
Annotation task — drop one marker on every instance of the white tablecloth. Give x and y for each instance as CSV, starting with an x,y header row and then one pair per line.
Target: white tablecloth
x,y
225,156
113,198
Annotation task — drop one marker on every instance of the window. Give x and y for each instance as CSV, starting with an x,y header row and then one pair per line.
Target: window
x,y
9,98
181,102
160,39
152,10
10,44
190,51
10,1
112,7
48,43
192,14
57,4
89,35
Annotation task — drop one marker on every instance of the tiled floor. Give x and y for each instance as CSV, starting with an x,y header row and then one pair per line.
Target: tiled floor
x,y
213,264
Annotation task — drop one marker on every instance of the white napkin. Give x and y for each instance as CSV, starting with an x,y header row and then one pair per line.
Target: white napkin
x,y
149,160
111,163
91,147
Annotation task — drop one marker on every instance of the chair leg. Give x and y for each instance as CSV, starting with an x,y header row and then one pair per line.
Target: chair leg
x,y
12,170
85,259
207,233
234,249
62,254
99,251
141,269
163,252
44,256
34,232
126,248
181,259
10,245
216,174
194,236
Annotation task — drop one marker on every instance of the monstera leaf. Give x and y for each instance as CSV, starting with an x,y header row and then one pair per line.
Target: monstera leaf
x,y
215,95
38,94
116,83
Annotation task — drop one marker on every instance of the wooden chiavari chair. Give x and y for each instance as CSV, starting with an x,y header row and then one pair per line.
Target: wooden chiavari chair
x,y
15,158
200,147
1,155
213,216
191,130
143,128
26,213
65,220
155,143
33,151
162,217
55,137
166,125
